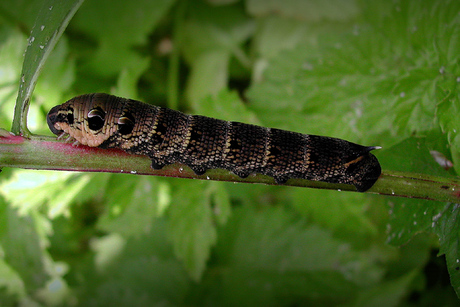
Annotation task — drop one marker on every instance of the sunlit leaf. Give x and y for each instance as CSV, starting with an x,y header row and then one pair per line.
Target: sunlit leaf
x,y
11,284
29,191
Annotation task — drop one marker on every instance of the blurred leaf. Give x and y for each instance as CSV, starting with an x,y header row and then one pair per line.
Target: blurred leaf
x,y
330,210
310,11
51,22
212,35
387,293
221,202
143,272
447,227
118,27
275,34
107,251
133,205
192,229
12,45
270,256
22,12
29,190
56,79
12,288
214,28
209,75
128,79
226,106
23,247
55,292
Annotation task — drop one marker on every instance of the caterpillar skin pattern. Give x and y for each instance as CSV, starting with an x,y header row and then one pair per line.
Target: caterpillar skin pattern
x,y
168,136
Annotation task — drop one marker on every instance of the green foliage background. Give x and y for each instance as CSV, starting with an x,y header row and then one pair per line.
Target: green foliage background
x,y
373,72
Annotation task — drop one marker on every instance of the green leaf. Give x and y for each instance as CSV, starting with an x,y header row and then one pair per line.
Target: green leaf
x,y
447,227
209,75
298,87
128,79
448,112
214,28
56,79
21,12
212,35
140,271
23,246
133,204
411,216
387,293
311,11
12,45
191,227
378,80
271,256
227,106
28,191
221,201
275,33
118,27
12,288
51,22
344,214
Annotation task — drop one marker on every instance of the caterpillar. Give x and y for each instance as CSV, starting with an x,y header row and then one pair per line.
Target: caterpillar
x,y
167,136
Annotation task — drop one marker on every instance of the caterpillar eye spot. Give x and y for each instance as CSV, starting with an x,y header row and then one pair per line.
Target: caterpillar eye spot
x,y
96,119
70,118
126,124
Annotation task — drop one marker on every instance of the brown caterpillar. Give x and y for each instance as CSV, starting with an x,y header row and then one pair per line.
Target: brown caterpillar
x,y
202,143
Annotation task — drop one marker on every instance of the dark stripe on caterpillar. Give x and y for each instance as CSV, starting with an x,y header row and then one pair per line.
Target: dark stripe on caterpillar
x,y
168,136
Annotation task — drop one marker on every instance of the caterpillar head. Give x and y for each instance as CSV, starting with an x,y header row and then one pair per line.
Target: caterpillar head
x,y
87,118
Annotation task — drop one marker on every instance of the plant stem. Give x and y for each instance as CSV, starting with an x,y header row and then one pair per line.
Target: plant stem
x,y
47,153
413,185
